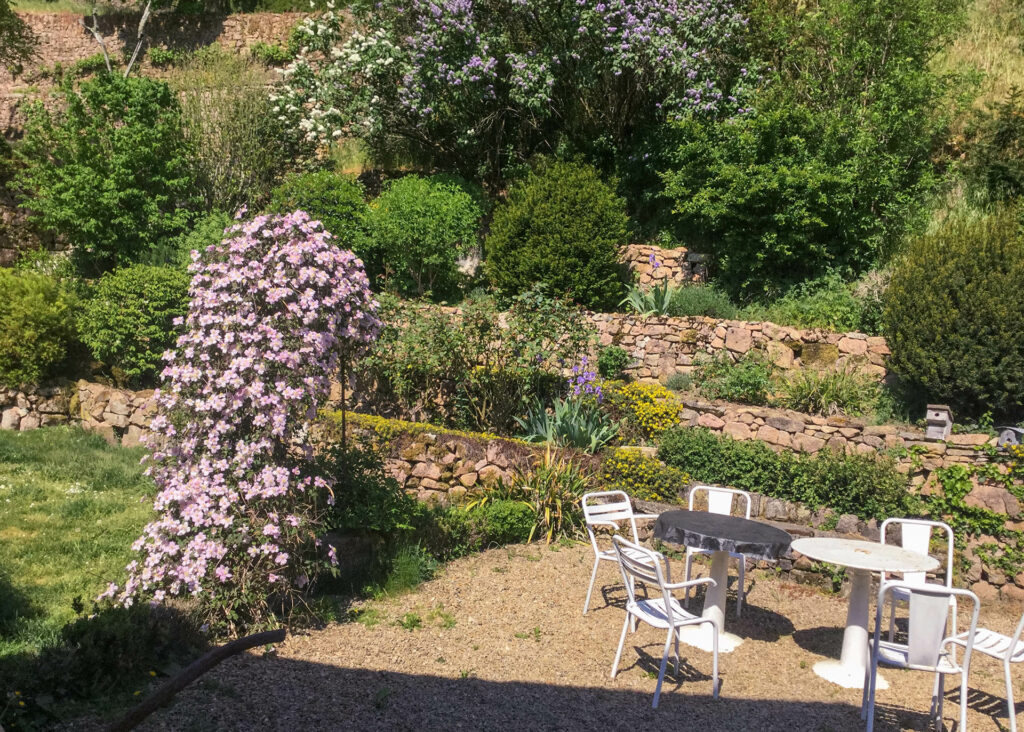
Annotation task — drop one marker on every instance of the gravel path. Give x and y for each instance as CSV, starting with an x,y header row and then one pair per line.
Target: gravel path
x,y
503,645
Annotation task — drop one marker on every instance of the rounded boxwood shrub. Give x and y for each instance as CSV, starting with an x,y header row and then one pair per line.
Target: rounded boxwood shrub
x,y
129,322
335,200
954,313
36,327
419,228
562,227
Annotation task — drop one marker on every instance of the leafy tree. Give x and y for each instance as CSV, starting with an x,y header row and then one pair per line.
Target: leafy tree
x,y
419,227
337,201
109,172
835,167
17,41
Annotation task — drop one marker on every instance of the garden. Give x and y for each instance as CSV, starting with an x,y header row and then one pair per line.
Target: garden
x,y
326,319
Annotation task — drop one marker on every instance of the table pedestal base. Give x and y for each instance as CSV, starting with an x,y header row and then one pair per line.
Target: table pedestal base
x,y
849,677
714,607
848,671
699,636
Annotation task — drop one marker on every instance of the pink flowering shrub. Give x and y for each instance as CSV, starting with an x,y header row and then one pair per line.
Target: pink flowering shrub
x,y
274,308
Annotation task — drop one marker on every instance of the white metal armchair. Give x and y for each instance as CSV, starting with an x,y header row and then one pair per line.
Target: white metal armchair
x,y
916,536
720,501
607,509
1007,649
650,567
927,647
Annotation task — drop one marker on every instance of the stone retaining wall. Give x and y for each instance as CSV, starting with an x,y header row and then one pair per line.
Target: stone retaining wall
x,y
651,265
662,346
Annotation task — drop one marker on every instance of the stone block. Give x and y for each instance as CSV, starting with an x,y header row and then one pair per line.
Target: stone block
x,y
469,479
738,340
710,421
29,422
491,474
737,430
847,524
785,424
780,354
426,470
853,346
819,355
10,419
114,419
132,436
769,434
807,443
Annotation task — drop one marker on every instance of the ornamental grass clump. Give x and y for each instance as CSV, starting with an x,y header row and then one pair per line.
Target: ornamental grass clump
x,y
275,309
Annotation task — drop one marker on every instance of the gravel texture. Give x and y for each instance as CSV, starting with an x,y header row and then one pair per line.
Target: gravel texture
x,y
503,645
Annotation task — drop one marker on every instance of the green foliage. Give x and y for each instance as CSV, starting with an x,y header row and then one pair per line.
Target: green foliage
x,y
333,199
95,64
954,311
128,323
747,380
655,300
865,485
642,477
410,567
109,173
36,327
562,227
17,41
164,57
828,392
828,302
419,228
573,422
270,54
994,168
612,362
464,368
679,381
207,231
702,299
368,499
554,487
503,522
236,155
837,163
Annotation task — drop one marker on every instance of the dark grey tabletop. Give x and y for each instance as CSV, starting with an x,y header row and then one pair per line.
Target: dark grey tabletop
x,y
717,533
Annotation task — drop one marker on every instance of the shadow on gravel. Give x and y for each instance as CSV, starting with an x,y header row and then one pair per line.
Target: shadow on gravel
x,y
282,694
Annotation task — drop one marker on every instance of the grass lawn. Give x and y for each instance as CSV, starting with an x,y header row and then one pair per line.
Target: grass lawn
x,y
70,507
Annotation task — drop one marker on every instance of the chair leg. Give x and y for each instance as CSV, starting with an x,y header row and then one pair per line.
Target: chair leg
x,y
739,589
963,702
714,661
941,696
676,636
622,642
892,619
1011,708
664,665
864,694
871,690
593,577
689,564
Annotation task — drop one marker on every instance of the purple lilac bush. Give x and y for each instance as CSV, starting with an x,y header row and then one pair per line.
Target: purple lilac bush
x,y
477,84
274,308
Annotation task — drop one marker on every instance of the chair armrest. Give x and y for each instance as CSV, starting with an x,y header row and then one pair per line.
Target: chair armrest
x,y
645,516
691,583
612,524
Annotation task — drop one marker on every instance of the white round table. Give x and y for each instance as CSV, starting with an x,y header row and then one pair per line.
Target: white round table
x,y
862,558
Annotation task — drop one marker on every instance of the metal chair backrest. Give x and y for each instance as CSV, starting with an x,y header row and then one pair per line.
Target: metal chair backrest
x,y
608,506
916,536
644,565
720,499
929,613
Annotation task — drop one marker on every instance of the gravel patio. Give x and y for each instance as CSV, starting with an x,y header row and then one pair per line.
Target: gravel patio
x,y
502,644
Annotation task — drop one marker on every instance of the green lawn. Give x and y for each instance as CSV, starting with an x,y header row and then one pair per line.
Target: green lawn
x,y
70,507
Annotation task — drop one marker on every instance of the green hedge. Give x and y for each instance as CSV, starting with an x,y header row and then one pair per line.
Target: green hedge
x,y
37,327
867,486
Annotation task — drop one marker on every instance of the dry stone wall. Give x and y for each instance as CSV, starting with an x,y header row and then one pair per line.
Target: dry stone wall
x,y
651,265
661,346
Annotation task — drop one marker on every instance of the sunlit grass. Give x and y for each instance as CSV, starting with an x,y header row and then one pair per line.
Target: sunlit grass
x,y
57,6
992,44
70,508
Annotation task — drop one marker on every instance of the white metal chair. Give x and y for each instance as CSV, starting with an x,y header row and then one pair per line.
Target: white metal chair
x,y
916,536
651,568
720,501
607,508
927,647
1007,649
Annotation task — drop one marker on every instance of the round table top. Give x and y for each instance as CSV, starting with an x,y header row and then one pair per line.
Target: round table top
x,y
868,555
715,532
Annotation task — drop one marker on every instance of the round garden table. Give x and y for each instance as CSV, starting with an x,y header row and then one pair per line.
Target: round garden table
x,y
721,535
862,558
